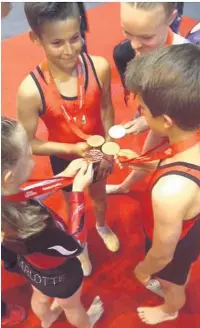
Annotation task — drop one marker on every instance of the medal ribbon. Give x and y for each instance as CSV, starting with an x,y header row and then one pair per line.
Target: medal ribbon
x,y
80,91
169,151
41,187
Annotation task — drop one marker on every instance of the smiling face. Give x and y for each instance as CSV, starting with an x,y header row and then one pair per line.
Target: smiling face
x,y
146,29
61,41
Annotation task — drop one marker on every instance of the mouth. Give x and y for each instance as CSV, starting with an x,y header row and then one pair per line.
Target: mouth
x,y
68,58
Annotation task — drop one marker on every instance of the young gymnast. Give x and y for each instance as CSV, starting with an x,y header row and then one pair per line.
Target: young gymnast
x,y
46,246
167,84
146,26
68,83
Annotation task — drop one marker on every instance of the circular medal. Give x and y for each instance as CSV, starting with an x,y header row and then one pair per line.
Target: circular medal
x,y
95,141
117,131
110,148
94,156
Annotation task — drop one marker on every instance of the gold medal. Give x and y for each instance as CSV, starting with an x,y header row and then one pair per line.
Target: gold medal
x,y
95,141
110,148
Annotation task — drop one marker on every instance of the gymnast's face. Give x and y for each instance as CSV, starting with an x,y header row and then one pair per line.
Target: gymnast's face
x,y
146,29
62,42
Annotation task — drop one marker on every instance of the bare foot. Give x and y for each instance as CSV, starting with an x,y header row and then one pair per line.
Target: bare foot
x,y
155,287
155,315
95,311
110,239
116,189
54,315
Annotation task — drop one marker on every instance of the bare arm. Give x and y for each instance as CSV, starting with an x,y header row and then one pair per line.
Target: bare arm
x,y
107,112
170,207
29,106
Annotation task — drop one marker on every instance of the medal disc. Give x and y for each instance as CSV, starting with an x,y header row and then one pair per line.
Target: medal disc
x,y
110,148
94,156
95,141
117,131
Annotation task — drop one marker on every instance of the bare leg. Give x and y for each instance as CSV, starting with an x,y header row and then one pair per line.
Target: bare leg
x,y
98,194
76,313
85,262
151,141
174,296
41,306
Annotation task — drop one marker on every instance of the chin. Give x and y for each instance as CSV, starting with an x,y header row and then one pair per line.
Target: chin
x,y
68,64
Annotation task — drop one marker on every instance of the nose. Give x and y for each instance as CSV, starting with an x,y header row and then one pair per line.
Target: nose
x,y
135,43
68,49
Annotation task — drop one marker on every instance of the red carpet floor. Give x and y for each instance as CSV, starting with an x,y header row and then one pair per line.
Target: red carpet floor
x,y
112,273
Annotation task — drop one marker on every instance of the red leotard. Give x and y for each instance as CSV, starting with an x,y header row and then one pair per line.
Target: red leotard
x,y
53,117
187,170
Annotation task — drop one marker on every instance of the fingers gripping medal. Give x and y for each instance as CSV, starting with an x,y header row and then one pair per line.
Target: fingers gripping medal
x,y
127,153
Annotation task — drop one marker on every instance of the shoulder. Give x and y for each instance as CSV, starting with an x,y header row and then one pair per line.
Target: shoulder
x,y
28,87
174,192
28,92
100,62
102,68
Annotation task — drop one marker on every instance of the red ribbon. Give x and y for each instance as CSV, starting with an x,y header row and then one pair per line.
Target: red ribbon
x,y
42,186
79,102
166,153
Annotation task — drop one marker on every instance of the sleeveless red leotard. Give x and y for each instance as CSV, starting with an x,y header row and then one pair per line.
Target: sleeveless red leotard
x,y
187,170
52,114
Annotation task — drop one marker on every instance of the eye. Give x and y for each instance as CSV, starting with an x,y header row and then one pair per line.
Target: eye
x,y
56,43
75,37
147,37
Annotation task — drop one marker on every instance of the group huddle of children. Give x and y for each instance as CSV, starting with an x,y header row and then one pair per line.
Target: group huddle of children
x,y
70,92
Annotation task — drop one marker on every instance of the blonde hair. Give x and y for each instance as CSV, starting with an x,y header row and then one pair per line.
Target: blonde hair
x,y
26,219
167,6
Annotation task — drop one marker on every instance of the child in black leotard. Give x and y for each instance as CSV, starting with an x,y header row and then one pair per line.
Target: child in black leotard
x,y
45,245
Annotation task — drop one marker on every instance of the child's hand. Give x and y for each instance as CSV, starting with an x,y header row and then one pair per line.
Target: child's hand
x,y
83,178
136,126
81,148
73,168
105,167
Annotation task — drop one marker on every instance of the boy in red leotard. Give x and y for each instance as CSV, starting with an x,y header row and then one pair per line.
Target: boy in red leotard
x,y
79,83
167,83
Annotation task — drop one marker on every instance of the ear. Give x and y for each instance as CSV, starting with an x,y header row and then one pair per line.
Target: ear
x,y
168,122
172,17
34,38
